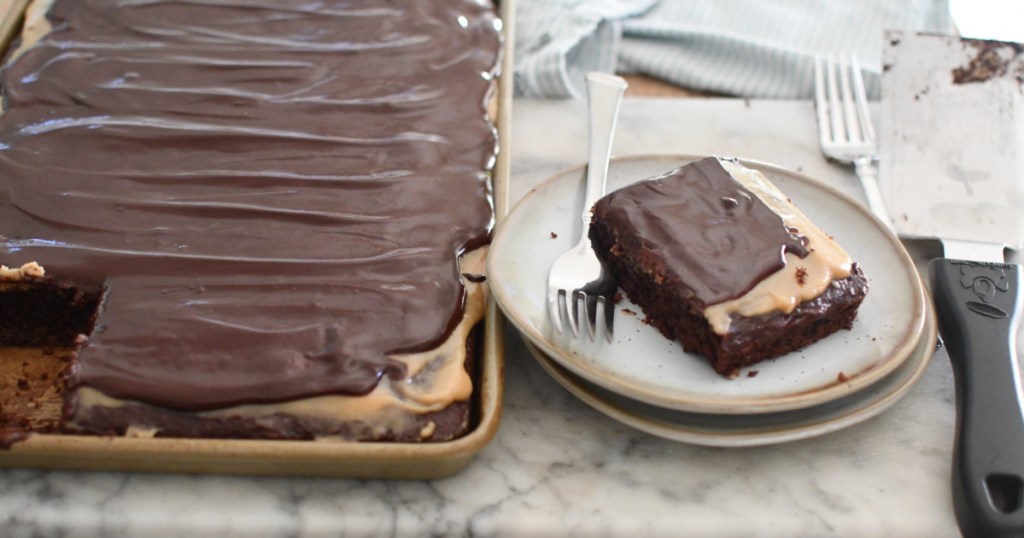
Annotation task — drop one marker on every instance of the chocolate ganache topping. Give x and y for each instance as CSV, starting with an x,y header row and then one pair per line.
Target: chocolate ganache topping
x,y
273,195
720,238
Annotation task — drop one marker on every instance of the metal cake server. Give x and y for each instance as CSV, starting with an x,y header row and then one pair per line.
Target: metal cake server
x,y
952,168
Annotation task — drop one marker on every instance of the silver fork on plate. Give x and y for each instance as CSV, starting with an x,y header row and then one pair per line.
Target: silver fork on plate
x,y
578,275
844,124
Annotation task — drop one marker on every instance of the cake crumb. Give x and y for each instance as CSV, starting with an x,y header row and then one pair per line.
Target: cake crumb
x,y
140,432
733,373
554,235
29,270
33,269
428,430
618,297
753,373
801,275
842,378
628,312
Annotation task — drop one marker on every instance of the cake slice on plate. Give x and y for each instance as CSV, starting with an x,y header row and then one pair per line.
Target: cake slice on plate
x,y
724,263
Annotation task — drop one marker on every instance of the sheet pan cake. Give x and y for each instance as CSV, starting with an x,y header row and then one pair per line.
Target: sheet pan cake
x,y
253,219
721,261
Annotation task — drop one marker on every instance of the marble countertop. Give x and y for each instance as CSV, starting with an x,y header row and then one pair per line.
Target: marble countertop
x,y
556,466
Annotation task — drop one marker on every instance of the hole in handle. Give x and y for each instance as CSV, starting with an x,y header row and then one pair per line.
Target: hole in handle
x,y
1004,492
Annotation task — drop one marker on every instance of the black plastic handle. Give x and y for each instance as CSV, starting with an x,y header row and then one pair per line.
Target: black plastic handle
x,y
978,307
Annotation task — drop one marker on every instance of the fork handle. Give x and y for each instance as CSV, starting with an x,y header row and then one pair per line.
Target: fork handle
x,y
604,95
868,176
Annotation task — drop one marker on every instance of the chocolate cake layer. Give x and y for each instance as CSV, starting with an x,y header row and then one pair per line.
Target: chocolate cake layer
x,y
272,195
725,265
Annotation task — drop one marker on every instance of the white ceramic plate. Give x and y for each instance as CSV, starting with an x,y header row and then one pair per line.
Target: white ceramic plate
x,y
752,430
643,365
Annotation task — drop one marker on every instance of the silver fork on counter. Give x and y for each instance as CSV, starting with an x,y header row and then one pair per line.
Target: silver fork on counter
x,y
579,275
844,124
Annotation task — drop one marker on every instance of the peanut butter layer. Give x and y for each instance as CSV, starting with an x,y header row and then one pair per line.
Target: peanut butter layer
x,y
802,278
272,196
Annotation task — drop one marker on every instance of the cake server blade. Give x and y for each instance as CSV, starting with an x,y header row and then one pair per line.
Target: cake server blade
x,y
952,168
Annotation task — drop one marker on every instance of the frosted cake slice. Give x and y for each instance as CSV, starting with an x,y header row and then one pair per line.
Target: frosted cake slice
x,y
724,263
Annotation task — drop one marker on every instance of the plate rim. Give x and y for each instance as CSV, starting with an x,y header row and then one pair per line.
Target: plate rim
x,y
703,404
802,427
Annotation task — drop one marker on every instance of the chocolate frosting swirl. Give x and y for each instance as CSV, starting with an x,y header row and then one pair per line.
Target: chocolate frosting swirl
x,y
717,238
272,193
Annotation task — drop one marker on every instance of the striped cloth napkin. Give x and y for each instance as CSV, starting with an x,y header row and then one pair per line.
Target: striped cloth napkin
x,y
748,48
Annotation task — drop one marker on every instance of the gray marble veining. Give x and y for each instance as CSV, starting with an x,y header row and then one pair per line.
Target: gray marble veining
x,y
556,466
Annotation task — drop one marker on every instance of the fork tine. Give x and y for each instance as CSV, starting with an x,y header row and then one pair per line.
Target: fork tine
x,y
591,302
609,316
820,102
866,127
556,305
573,312
834,107
850,116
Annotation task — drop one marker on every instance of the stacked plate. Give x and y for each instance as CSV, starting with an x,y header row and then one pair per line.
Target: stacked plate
x,y
646,381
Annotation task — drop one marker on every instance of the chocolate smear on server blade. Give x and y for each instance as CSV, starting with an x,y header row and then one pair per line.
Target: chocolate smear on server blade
x,y
992,59
270,195
720,237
